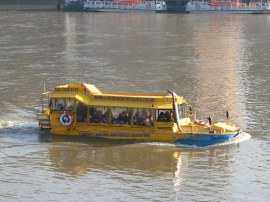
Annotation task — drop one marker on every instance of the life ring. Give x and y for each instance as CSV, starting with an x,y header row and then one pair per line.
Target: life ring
x,y
200,122
66,118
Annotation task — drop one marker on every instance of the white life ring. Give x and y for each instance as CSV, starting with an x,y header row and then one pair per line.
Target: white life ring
x,y
66,118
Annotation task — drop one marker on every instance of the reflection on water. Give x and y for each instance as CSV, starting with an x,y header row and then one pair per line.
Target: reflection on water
x,y
219,51
173,171
126,158
180,169
149,161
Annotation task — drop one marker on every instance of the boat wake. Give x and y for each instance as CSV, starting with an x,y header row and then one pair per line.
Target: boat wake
x,y
162,144
240,138
14,117
15,124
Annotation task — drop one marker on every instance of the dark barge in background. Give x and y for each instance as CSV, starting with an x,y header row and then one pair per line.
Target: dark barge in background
x,y
173,6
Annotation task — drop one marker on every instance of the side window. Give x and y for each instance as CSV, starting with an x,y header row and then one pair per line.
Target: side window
x,y
99,115
164,115
82,113
53,104
58,104
61,104
69,104
121,116
143,117
182,110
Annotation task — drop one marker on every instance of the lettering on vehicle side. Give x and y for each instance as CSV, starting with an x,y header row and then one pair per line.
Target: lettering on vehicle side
x,y
218,138
67,89
118,98
117,135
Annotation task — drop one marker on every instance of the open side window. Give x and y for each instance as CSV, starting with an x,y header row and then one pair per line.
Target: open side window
x,y
143,117
81,113
62,104
121,116
99,115
164,115
183,111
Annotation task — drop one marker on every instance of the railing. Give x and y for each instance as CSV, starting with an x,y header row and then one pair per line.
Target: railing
x,y
204,5
151,5
42,118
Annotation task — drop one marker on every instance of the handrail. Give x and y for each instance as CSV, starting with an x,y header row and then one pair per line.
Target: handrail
x,y
41,104
114,3
175,110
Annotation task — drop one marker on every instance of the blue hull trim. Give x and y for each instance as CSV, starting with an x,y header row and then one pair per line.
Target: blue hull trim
x,y
203,140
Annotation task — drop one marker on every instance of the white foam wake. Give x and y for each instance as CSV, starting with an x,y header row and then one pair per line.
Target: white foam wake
x,y
15,123
240,138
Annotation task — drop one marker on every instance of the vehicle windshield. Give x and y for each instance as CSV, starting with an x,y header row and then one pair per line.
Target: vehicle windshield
x,y
183,111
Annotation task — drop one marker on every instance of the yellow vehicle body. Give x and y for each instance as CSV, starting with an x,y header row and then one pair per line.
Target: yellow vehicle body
x,y
85,110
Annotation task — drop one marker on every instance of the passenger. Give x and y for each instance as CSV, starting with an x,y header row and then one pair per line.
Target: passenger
x,y
98,117
161,116
105,117
137,116
93,114
81,113
123,117
151,120
168,116
145,118
172,115
70,106
60,107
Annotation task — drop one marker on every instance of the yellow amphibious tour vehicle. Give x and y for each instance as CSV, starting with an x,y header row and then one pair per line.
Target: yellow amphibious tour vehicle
x,y
85,110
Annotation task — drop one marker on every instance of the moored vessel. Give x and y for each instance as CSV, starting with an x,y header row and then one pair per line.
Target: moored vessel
x,y
74,5
85,110
228,6
125,5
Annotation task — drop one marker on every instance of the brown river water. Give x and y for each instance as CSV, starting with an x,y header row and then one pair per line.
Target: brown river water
x,y
218,62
